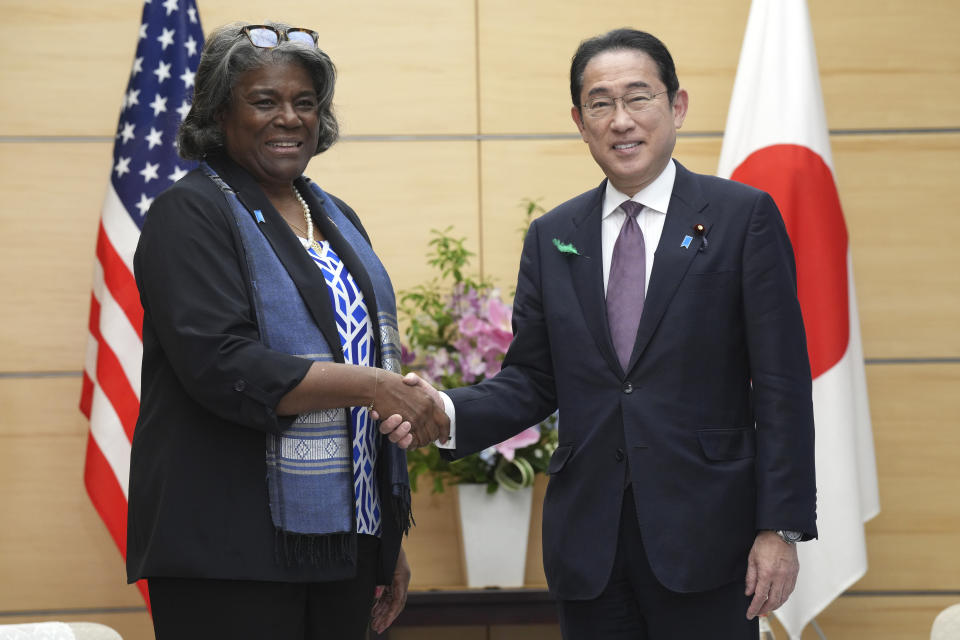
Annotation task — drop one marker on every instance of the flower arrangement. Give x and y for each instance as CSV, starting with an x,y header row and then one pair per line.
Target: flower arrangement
x,y
458,331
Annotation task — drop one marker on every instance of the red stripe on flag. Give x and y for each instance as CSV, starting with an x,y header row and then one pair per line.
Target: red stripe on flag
x,y
106,494
108,499
112,380
802,186
120,281
86,395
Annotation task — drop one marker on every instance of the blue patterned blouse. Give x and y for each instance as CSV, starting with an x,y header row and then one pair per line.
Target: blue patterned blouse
x,y
357,341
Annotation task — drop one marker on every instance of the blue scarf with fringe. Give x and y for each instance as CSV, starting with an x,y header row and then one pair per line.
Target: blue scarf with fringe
x,y
310,464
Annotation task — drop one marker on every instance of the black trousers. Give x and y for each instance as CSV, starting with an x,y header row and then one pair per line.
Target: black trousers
x,y
635,606
188,609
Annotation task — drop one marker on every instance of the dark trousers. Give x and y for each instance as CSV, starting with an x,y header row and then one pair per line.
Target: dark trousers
x,y
635,606
187,609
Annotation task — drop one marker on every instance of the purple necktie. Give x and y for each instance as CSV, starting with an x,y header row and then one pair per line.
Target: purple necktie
x,y
626,283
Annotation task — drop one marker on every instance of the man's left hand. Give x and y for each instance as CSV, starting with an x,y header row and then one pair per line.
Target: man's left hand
x,y
772,570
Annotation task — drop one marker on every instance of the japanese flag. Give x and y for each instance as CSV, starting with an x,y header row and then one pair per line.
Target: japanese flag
x,y
777,140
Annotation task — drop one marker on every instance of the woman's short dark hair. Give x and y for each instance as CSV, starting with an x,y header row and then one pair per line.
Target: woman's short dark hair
x,y
227,54
623,39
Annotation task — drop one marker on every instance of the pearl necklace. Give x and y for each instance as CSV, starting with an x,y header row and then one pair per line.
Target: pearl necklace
x,y
308,219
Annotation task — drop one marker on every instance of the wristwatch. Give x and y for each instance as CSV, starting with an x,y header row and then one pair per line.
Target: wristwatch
x,y
790,537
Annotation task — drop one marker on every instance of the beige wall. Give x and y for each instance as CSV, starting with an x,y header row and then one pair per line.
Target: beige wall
x,y
453,112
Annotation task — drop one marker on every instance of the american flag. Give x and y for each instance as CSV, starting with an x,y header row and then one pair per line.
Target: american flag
x,y
145,162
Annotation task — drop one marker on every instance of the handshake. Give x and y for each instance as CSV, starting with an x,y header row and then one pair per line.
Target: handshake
x,y
412,411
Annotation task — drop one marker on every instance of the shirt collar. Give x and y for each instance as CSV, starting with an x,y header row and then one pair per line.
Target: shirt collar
x,y
655,195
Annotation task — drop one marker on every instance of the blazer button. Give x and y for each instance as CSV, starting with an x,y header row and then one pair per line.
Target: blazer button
x,y
619,455
628,387
239,385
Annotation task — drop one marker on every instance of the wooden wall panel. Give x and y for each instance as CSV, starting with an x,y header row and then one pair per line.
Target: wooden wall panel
x,y
35,407
898,194
525,52
57,553
871,53
65,65
402,190
876,618
912,543
48,225
865,54
392,79
403,67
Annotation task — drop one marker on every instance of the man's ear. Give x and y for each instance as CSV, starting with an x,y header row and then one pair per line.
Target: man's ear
x,y
578,120
680,104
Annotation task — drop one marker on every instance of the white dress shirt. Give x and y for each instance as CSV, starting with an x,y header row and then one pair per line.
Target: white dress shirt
x,y
655,198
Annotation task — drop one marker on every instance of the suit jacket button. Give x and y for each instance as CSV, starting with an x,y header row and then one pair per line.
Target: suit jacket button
x,y
619,455
627,387
239,385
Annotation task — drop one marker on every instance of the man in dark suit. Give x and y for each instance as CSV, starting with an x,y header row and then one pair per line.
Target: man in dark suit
x,y
659,313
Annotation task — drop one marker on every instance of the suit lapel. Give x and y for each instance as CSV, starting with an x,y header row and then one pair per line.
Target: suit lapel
x,y
586,272
671,259
302,269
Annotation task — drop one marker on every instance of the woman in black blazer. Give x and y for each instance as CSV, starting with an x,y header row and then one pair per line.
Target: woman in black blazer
x,y
263,501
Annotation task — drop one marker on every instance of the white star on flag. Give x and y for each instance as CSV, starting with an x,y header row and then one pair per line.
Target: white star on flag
x,y
133,98
187,77
162,71
149,172
183,109
177,174
193,15
137,65
191,46
170,6
159,105
166,38
154,137
144,204
123,166
143,31
127,133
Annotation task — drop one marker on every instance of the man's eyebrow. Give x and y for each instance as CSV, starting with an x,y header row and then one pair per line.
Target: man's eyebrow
x,y
639,84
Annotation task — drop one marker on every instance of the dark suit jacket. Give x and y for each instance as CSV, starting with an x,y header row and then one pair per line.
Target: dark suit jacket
x,y
713,416
198,505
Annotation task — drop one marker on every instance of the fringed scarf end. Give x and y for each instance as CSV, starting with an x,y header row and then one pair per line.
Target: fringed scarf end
x,y
315,550
402,508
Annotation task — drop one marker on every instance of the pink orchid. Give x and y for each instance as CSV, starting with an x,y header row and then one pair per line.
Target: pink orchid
x,y
525,438
470,325
499,313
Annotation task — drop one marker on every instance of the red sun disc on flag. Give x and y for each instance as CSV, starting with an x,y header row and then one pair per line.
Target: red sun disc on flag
x,y
802,185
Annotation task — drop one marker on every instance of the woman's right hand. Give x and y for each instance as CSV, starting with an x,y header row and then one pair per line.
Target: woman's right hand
x,y
416,402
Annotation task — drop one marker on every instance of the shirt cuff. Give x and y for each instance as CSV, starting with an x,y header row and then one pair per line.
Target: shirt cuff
x,y
451,412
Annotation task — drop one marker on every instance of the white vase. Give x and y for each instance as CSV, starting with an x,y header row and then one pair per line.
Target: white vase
x,y
495,528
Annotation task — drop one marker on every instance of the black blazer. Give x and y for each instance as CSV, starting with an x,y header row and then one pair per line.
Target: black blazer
x,y
198,504
713,416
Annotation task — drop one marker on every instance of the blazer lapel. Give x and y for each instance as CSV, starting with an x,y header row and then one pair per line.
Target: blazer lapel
x,y
671,259
586,272
302,269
